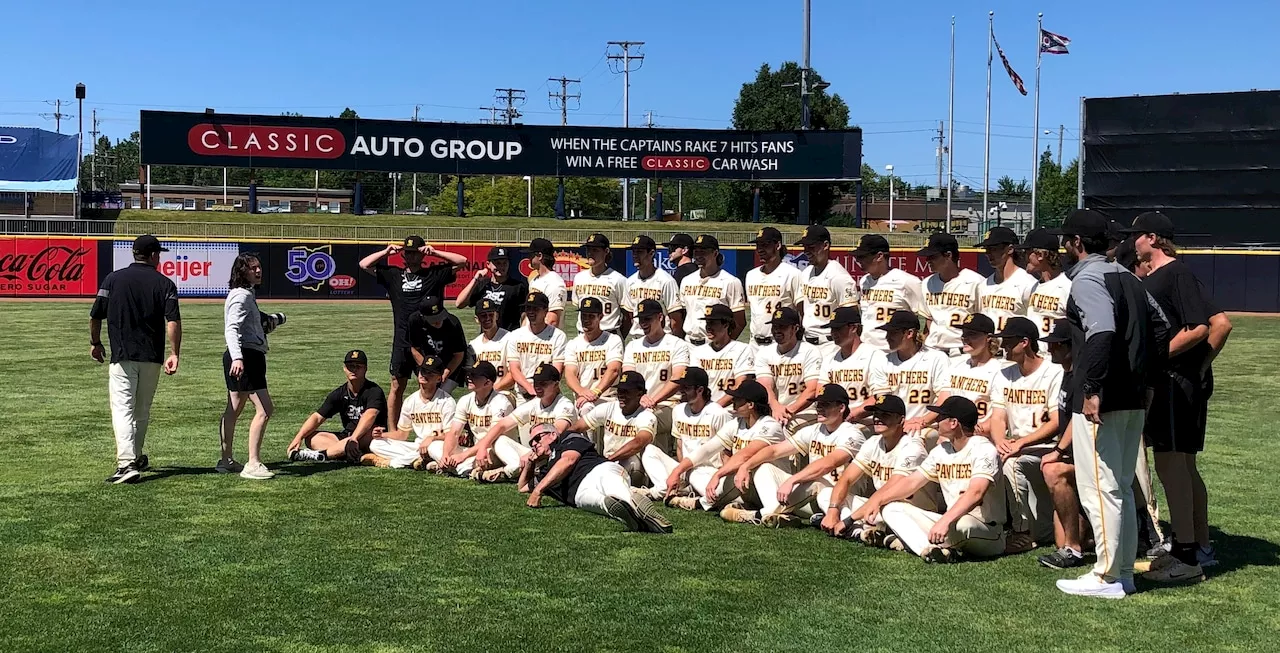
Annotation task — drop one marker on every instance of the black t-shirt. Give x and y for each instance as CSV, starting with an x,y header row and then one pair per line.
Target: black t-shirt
x,y
406,290
684,271
136,302
588,459
443,341
509,295
351,406
1180,294
1068,395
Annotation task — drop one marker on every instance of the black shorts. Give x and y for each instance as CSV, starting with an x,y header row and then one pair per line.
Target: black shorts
x,y
403,364
253,378
1176,419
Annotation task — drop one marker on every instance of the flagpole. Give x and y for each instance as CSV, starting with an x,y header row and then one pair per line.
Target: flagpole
x,y
951,124
1035,130
986,159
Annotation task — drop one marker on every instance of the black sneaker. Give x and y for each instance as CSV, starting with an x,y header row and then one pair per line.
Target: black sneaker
x,y
142,463
816,520
1061,559
127,474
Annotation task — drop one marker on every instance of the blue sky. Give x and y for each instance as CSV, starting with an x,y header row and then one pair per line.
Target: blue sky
x,y
889,60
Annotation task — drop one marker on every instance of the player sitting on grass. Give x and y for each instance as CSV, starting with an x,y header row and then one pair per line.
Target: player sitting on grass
x,y
757,429
1059,467
695,422
362,406
425,416
477,412
549,407
628,426
568,469
791,499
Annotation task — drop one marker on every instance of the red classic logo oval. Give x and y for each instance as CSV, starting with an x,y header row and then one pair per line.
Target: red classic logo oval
x,y
266,140
698,163
342,282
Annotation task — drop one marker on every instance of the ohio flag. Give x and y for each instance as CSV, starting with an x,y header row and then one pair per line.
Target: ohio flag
x,y
1051,43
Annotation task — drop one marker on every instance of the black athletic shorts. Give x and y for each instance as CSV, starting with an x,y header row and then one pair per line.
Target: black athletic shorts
x,y
253,378
403,364
1176,419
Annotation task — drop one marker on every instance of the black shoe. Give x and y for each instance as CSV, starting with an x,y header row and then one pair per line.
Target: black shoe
x,y
142,463
1061,559
127,474
649,517
816,520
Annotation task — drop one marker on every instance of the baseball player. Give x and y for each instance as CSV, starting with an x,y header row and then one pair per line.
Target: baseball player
x,y
549,407
660,358
491,344
883,289
434,330
967,468
628,427
568,469
915,374
650,282
789,372
1006,292
1048,301
425,416
495,282
855,365
973,378
727,362
605,284
950,294
775,283
1059,468
757,429
593,360
362,407
694,422
791,499
476,413
1024,426
679,249
544,279
533,344
825,286
711,286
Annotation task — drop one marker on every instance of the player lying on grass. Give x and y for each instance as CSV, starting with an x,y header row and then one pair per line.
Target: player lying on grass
x,y
362,407
567,468
694,422
498,455
477,412
425,416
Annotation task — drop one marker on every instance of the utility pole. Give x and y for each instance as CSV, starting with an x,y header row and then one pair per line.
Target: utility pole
x,y
493,115
648,195
624,55
1060,129
93,132
942,147
561,99
414,208
57,114
512,96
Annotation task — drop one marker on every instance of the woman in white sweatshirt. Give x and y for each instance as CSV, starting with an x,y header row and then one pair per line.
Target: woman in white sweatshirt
x,y
245,367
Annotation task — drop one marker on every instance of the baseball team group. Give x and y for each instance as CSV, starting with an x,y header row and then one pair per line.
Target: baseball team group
x,y
953,417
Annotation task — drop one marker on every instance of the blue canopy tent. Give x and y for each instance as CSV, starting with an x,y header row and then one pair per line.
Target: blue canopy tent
x,y
33,163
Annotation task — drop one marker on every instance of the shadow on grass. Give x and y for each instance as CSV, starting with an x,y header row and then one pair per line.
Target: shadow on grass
x,y
281,469
1240,551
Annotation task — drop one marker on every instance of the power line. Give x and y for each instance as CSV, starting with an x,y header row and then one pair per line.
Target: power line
x,y
512,97
563,97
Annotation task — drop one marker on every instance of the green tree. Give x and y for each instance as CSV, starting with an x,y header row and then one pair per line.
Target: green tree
x,y
1055,191
1008,188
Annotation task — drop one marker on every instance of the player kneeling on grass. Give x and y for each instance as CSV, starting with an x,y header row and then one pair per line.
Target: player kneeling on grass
x,y
694,423
968,470
568,469
792,499
362,406
548,407
477,413
425,416
628,426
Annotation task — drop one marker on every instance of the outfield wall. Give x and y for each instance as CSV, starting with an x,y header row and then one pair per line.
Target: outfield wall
x,y
59,266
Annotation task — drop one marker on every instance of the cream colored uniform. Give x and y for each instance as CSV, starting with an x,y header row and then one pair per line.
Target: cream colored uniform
x,y
531,350
917,380
590,358
788,373
1048,303
656,362
493,351
814,443
551,284
426,418
859,374
619,429
697,293
975,383
1028,401
948,305
766,292
1001,301
723,367
734,437
610,288
895,290
880,465
660,287
476,420
691,431
980,532
526,416
822,293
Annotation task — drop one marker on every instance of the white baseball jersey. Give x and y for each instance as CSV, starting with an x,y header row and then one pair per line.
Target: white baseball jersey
x,y
1001,301
494,351
1048,303
766,429
817,442
660,287
428,418
551,284
656,361
591,357
610,288
975,383
694,430
882,464
952,470
917,380
859,374
532,350
532,413
824,292
789,371
697,293
1028,401
723,367
480,418
768,291
895,290
948,305
619,428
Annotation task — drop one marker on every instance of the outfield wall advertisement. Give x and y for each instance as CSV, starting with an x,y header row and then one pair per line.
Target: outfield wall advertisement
x,y
48,267
199,269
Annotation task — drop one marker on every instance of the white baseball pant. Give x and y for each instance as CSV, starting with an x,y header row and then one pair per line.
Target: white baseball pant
x,y
1142,486
1028,495
606,480
436,451
509,452
1106,456
803,500
968,534
400,453
658,466
131,386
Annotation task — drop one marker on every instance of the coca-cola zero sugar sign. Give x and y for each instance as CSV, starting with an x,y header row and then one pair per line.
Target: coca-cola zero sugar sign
x,y
36,267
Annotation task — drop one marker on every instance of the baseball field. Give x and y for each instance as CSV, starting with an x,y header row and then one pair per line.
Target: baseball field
x,y
327,557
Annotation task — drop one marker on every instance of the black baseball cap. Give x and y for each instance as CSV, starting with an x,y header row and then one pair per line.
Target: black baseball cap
x,y
1086,224
750,391
680,240
432,364
414,242
147,244
432,307
694,376
649,308
785,316
541,246
999,236
1126,254
631,380
706,241
833,393
590,305
1061,332
536,299
959,408
900,320
1040,238
979,323
483,370
871,244
355,357
767,235
499,254
814,234
939,243
1151,222
888,405
597,240
1019,327
1114,235
643,243
845,315
545,372
717,312
487,306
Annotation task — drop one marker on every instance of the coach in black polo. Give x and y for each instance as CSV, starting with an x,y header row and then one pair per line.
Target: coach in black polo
x,y
140,306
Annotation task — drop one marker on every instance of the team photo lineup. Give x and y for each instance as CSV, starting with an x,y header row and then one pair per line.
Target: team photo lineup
x,y
954,418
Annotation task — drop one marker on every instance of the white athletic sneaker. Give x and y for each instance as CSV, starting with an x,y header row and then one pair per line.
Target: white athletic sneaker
x,y
256,472
229,466
1092,585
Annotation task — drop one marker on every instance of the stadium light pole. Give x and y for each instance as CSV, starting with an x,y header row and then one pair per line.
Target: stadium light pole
x,y
889,169
79,145
529,200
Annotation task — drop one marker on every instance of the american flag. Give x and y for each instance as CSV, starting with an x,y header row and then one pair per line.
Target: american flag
x,y
1051,43
1013,76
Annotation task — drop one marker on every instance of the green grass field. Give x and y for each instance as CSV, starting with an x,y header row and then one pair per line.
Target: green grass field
x,y
337,558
